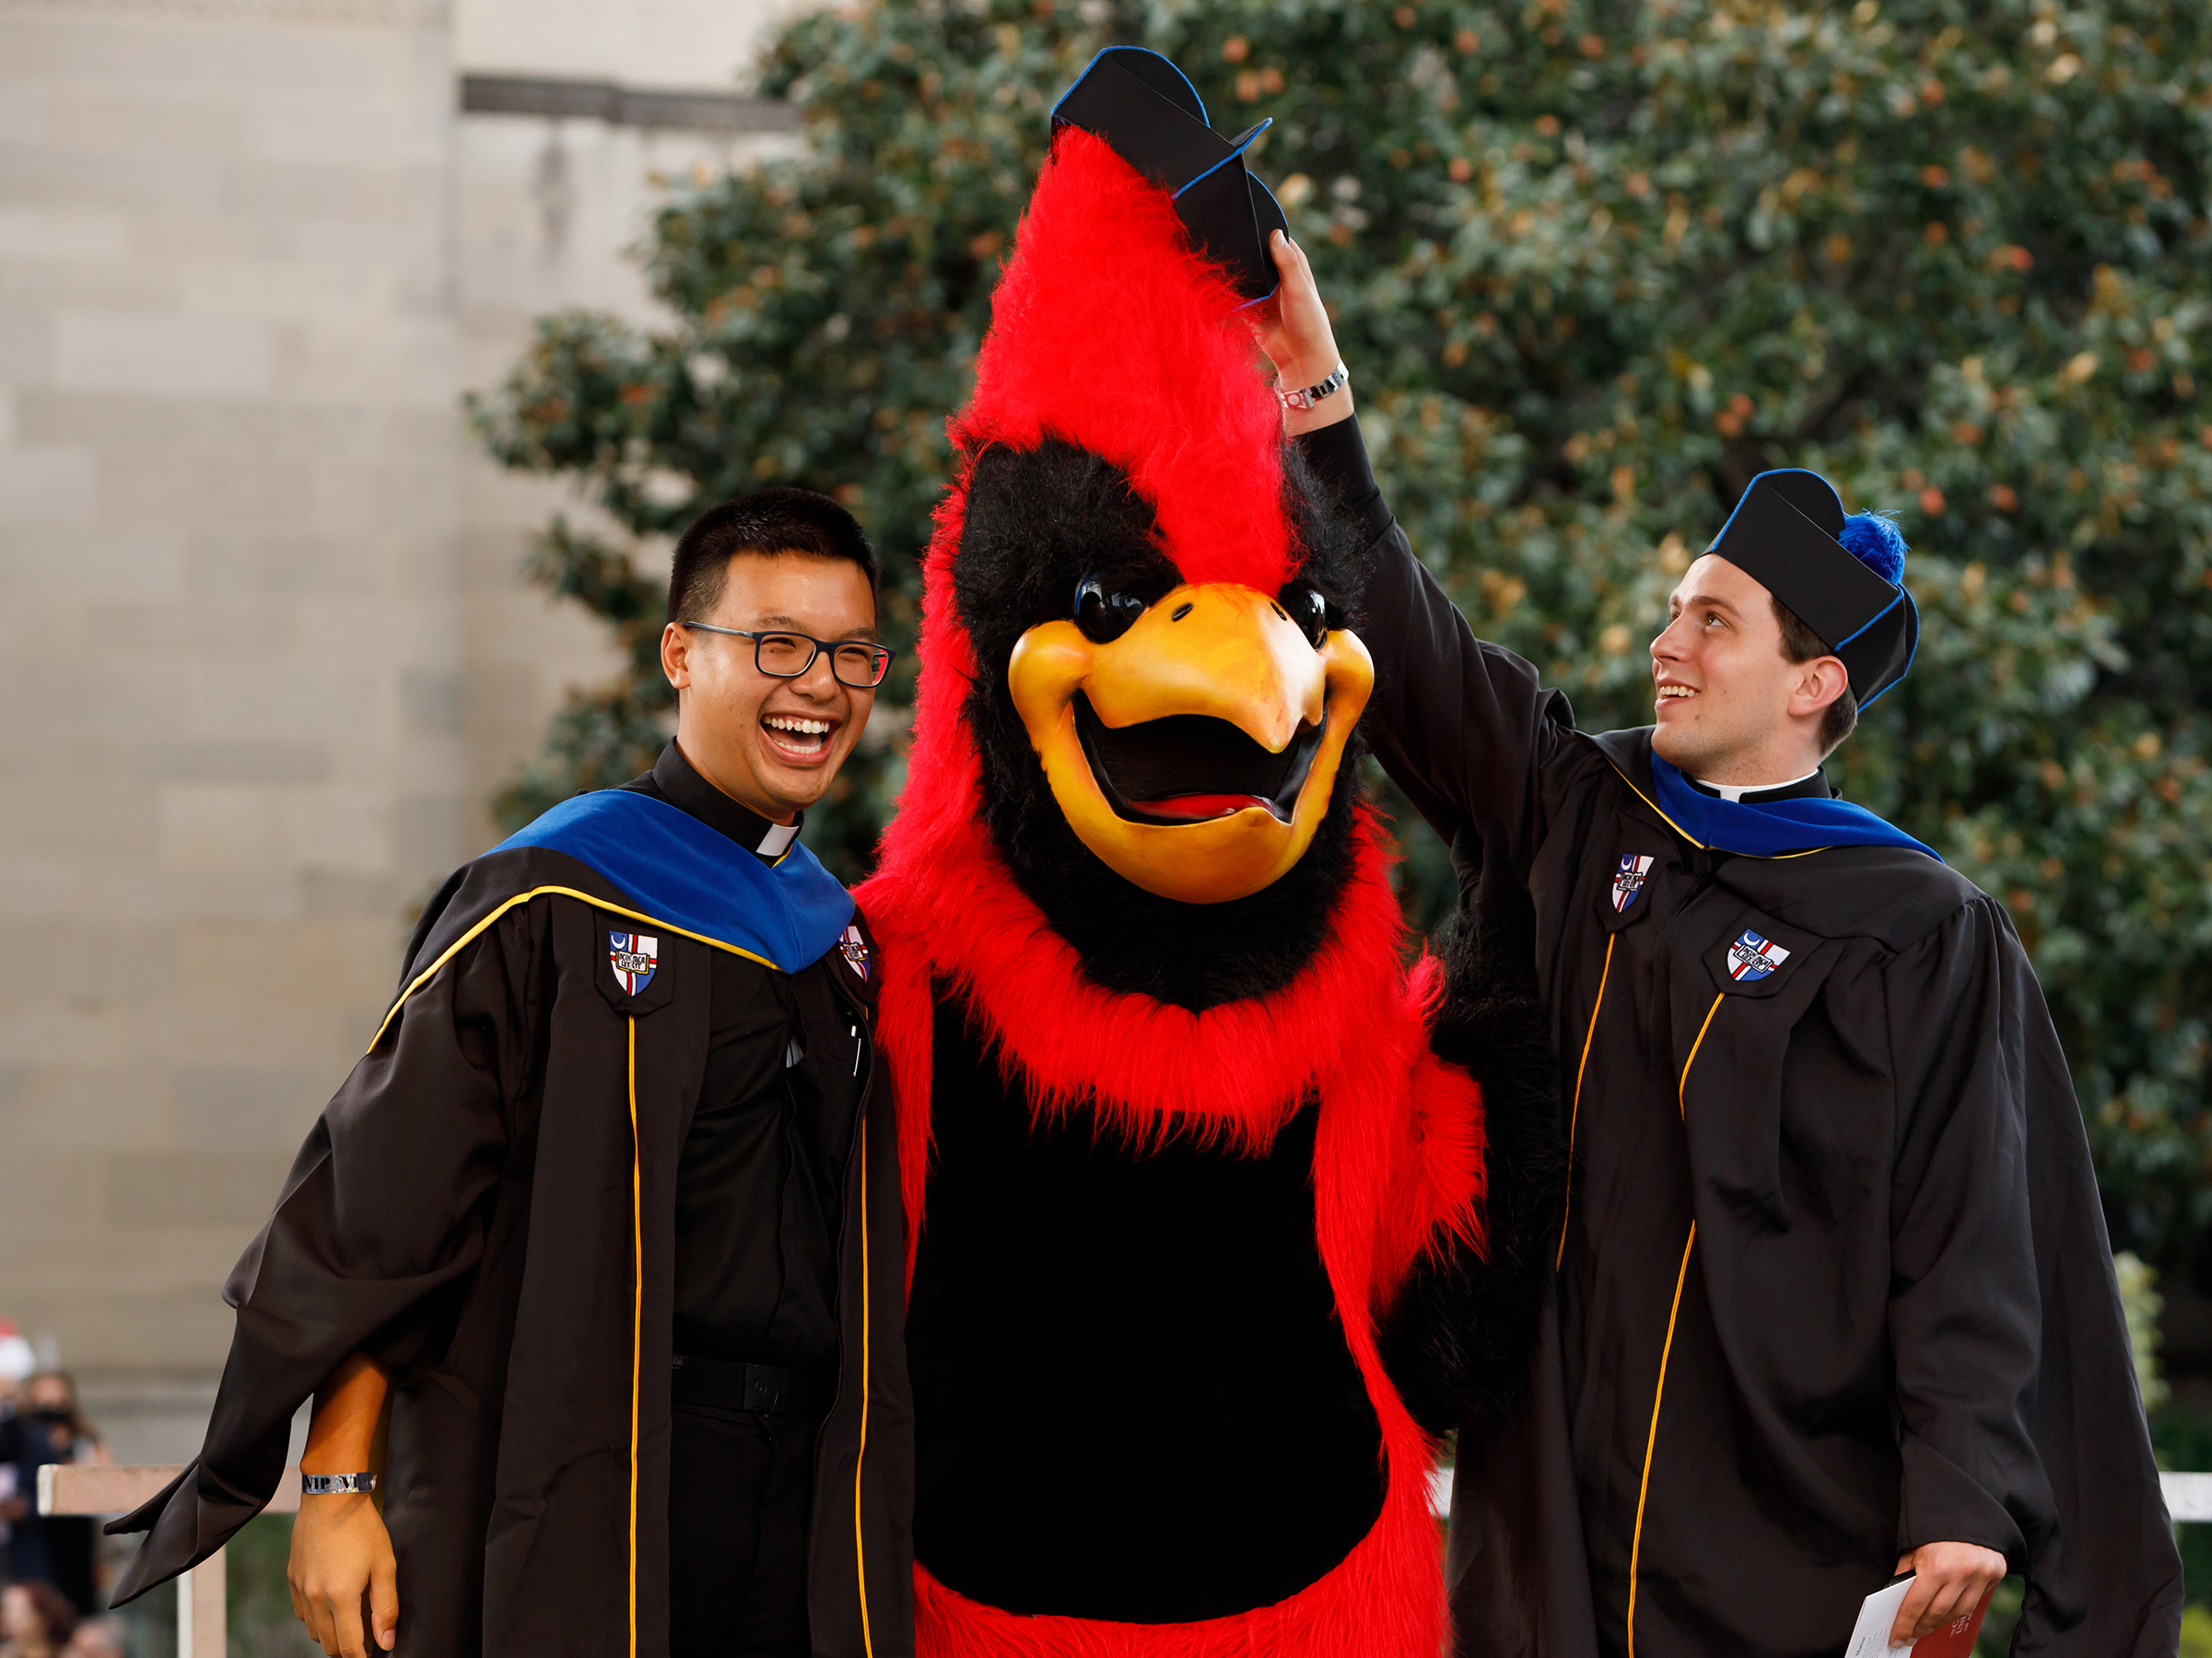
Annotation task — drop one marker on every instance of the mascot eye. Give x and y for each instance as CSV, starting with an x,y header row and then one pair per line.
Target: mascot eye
x,y
1313,613
1104,615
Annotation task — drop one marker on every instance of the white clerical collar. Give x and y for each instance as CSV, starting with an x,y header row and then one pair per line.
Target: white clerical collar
x,y
1736,791
778,841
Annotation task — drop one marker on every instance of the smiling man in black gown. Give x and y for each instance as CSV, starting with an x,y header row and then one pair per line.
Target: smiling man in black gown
x,y
606,1224
1833,1295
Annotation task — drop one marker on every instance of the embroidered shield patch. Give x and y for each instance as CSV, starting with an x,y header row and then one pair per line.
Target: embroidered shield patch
x,y
1628,880
856,951
1751,958
634,957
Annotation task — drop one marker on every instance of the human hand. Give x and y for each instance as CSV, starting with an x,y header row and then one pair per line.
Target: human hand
x,y
1949,1582
1293,328
341,1553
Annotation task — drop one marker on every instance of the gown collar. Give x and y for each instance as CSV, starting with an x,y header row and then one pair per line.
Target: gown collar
x,y
681,785
1771,828
1812,786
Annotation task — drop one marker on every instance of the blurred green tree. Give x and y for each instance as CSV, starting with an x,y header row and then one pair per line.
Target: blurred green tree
x,y
1596,263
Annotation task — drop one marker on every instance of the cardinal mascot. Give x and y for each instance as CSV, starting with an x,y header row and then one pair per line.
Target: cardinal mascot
x,y
1172,1138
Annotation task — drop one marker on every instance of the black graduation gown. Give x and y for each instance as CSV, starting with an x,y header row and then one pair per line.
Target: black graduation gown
x,y
1834,1279
488,1206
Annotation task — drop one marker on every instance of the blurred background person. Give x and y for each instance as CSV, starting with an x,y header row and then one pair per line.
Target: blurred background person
x,y
12,1503
16,1362
36,1620
98,1638
55,1548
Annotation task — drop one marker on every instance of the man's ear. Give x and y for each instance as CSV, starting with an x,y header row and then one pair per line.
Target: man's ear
x,y
675,655
1818,683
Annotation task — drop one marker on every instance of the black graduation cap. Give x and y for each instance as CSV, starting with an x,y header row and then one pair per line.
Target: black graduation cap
x,y
1151,115
1787,535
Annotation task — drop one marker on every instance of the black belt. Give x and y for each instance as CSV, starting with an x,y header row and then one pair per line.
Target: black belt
x,y
768,1388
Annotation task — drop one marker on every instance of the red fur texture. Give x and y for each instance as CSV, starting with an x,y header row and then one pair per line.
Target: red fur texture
x,y
1109,332
1382,1601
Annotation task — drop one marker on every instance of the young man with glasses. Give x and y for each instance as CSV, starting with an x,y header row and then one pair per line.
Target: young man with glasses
x,y
603,1232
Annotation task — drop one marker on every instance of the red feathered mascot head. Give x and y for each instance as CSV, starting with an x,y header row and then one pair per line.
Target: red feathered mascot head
x,y
1137,682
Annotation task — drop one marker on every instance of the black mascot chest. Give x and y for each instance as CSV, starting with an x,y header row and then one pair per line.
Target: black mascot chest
x,y
1134,1401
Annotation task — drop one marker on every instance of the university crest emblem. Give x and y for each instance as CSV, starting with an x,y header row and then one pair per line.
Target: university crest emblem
x,y
634,957
1628,880
1751,958
856,950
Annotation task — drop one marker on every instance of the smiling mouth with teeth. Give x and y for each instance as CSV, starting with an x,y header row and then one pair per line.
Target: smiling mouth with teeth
x,y
798,734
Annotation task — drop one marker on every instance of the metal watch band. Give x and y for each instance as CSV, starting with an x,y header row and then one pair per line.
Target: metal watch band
x,y
1314,394
331,1485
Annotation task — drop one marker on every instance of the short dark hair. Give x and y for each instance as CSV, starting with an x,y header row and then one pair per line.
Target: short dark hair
x,y
1800,644
769,521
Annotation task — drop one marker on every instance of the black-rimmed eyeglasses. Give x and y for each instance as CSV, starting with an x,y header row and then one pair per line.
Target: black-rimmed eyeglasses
x,y
789,654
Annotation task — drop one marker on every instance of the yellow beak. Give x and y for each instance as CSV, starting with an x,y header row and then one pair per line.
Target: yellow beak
x,y
1218,817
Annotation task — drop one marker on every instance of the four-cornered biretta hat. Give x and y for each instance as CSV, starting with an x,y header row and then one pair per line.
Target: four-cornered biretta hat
x,y
1787,535
1150,116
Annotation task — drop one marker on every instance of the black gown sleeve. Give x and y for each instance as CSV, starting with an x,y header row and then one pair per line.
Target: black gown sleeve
x,y
1463,727
2019,1425
381,1223
1455,1339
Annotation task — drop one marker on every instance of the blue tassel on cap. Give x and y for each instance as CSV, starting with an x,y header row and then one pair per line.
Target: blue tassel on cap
x,y
1876,541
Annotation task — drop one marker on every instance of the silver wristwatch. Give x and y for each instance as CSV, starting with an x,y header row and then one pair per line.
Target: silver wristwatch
x,y
331,1485
1314,394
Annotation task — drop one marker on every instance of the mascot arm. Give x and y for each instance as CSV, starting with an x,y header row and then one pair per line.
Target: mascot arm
x,y
1433,1246
1456,1336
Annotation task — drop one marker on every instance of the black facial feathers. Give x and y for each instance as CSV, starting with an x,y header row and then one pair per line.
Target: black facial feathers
x,y
1039,521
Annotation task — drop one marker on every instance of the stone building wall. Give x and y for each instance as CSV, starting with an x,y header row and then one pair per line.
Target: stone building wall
x,y
264,651
548,213
229,642
545,210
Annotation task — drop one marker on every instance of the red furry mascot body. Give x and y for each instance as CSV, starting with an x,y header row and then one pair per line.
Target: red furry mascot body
x,y
1172,1137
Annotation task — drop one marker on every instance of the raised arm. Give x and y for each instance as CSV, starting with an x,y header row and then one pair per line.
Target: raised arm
x,y
1463,727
